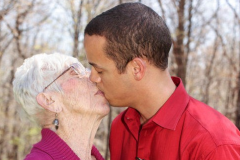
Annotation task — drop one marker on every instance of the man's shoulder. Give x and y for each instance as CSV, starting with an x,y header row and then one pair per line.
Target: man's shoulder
x,y
206,115
212,123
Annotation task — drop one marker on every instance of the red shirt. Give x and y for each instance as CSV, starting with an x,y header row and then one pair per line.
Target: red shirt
x,y
184,128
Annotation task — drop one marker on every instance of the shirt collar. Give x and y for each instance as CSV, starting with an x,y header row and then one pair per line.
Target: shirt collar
x,y
170,113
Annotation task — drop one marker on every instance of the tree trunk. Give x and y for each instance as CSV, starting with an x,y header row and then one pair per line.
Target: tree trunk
x,y
238,105
77,26
178,47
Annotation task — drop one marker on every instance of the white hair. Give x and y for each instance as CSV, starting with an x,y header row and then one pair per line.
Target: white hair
x,y
34,75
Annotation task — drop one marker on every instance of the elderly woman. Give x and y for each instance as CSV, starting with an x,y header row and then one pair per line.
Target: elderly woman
x,y
55,91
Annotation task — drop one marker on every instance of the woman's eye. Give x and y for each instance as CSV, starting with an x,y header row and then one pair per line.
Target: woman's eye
x,y
73,72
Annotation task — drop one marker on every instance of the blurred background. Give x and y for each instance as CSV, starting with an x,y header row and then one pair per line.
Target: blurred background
x,y
205,54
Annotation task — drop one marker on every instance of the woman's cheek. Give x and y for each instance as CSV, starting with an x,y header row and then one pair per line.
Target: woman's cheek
x,y
69,86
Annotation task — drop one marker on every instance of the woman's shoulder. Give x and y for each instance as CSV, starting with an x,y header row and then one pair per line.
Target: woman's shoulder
x,y
37,154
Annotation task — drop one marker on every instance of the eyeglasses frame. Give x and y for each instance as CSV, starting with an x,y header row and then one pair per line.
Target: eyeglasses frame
x,y
72,66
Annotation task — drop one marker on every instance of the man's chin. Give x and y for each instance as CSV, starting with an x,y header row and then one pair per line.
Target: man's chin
x,y
112,104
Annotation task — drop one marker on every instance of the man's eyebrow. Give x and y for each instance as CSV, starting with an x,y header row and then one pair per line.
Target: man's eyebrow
x,y
94,65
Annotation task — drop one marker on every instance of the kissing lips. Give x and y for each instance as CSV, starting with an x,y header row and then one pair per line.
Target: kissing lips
x,y
99,93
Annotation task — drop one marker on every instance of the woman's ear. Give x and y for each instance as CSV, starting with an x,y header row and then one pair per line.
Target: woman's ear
x,y
48,102
138,68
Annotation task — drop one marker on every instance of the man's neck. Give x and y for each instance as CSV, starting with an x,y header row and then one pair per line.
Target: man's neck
x,y
154,97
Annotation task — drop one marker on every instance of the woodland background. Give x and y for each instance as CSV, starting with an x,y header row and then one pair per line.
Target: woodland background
x,y
205,54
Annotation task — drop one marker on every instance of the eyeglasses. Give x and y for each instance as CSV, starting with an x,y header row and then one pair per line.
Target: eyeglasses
x,y
77,68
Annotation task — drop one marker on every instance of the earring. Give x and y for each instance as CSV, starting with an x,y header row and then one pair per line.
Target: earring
x,y
56,122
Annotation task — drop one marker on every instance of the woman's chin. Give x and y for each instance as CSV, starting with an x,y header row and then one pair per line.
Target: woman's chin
x,y
105,109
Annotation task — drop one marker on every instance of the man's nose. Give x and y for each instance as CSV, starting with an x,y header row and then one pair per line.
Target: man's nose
x,y
94,77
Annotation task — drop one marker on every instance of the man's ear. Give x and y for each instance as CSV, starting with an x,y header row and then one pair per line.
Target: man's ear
x,y
138,68
48,102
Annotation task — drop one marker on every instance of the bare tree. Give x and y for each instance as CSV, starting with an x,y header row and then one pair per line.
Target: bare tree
x,y
19,30
162,9
178,45
6,7
181,49
209,66
238,82
77,27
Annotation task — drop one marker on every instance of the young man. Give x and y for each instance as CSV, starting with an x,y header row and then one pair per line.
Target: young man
x,y
128,49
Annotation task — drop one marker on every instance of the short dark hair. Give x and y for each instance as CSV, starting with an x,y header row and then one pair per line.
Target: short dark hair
x,y
132,30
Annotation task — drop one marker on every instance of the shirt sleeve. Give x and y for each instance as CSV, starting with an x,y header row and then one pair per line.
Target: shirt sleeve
x,y
223,152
